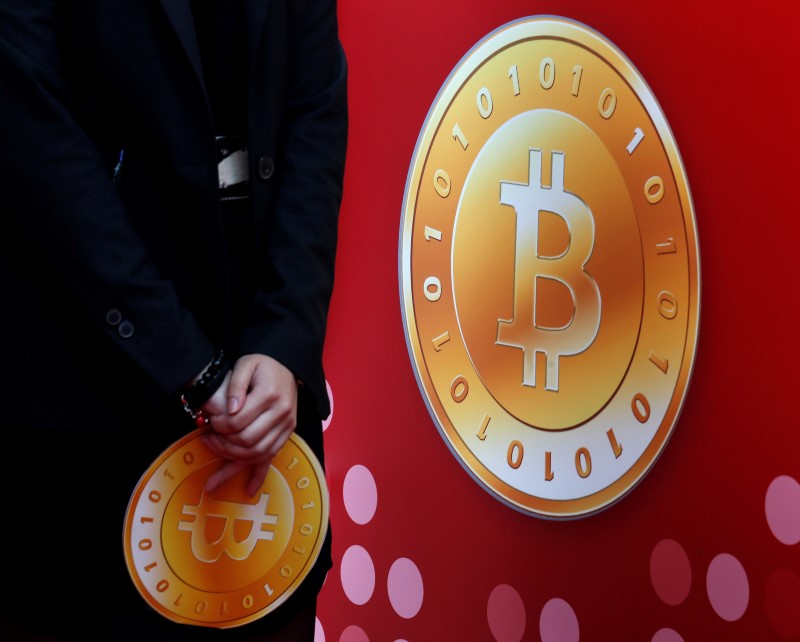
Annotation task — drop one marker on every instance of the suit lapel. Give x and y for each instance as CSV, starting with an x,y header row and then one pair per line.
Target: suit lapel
x,y
180,16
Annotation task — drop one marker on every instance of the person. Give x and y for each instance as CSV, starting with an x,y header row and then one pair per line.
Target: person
x,y
171,173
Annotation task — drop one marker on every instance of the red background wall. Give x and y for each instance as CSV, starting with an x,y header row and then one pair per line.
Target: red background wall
x,y
706,547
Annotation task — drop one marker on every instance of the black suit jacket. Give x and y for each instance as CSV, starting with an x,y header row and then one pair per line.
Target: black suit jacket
x,y
116,292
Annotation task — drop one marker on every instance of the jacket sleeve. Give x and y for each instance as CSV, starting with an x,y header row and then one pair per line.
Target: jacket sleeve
x,y
298,255
59,191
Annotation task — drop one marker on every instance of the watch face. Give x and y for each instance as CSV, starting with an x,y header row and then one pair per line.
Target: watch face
x,y
223,559
549,269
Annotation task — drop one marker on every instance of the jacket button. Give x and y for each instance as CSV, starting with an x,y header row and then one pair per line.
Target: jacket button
x,y
266,167
113,316
125,329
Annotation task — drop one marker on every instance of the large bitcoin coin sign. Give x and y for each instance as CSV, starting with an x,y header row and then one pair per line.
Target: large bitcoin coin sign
x,y
549,269
224,559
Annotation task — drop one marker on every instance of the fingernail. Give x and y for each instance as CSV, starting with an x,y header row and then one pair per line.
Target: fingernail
x,y
233,404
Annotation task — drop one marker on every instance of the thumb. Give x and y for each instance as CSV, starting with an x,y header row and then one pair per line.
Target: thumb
x,y
239,384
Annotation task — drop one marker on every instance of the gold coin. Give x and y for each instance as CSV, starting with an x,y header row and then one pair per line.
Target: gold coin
x,y
549,269
224,559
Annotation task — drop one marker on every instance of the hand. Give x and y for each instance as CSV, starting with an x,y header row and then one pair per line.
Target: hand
x,y
252,415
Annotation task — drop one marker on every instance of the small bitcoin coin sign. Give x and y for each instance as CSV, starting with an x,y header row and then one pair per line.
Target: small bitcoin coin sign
x,y
224,559
549,269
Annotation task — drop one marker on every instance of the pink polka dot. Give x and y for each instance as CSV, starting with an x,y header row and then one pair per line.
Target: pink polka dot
x,y
319,633
353,633
670,572
358,575
327,421
781,598
360,494
782,506
727,587
506,614
667,635
558,622
405,588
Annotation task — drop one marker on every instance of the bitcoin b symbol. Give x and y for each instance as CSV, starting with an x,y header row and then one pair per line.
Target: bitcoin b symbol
x,y
523,331
230,513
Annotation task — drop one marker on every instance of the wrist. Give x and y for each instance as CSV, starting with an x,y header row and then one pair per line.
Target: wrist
x,y
203,386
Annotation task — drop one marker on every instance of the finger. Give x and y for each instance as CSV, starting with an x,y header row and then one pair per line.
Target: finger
x,y
258,474
228,470
250,426
225,424
274,420
241,380
257,441
215,443
258,401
